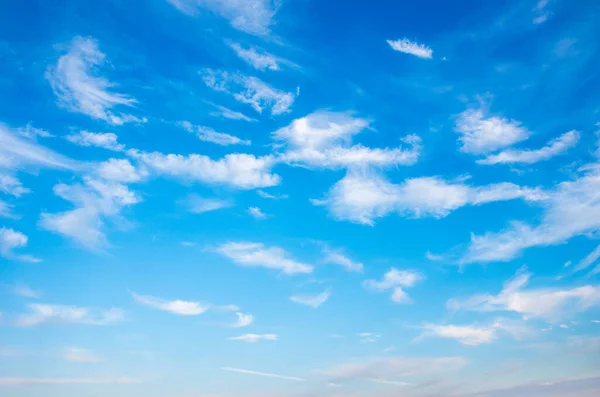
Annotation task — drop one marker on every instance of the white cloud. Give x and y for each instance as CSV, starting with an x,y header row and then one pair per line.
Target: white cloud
x,y
11,185
78,355
270,196
249,90
26,292
260,60
481,134
396,280
410,47
17,153
589,260
198,205
243,320
256,213
312,300
179,307
94,201
572,208
10,240
107,140
393,369
248,254
66,381
248,372
120,170
45,313
6,210
29,131
363,196
79,90
337,257
241,171
540,12
230,114
368,337
253,338
550,304
553,148
250,16
466,334
324,139
207,134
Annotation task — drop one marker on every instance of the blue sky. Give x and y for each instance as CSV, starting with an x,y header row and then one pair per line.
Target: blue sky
x,y
242,198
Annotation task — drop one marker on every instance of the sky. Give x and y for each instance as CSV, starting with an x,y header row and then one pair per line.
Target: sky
x,y
243,198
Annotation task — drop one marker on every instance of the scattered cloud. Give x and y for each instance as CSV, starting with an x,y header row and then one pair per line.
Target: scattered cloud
x,y
589,260
95,201
551,304
553,148
253,338
25,291
540,12
10,240
227,113
120,170
250,16
199,205
249,90
270,196
481,134
337,257
324,140
79,355
179,307
248,372
313,301
207,134
256,213
6,210
243,320
368,337
11,185
249,254
396,280
363,196
410,47
466,334
47,313
79,90
260,60
106,140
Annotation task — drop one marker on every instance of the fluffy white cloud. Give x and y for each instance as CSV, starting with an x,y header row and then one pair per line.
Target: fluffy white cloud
x,y
263,374
260,60
17,152
572,208
363,196
207,134
324,139
481,134
79,90
243,320
10,240
45,313
241,171
551,304
249,90
337,257
250,16
312,300
248,254
396,280
253,338
553,148
94,201
393,369
120,170
179,307
410,47
198,205
256,213
106,140
78,355
11,185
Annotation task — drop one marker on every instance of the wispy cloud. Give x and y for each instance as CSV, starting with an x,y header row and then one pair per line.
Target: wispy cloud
x,y
25,291
10,240
47,313
256,213
249,90
199,205
253,338
410,47
243,320
227,113
312,300
553,148
465,334
267,375
79,355
107,140
396,280
11,185
337,257
249,254
270,196
179,307
79,90
260,60
67,381
207,134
